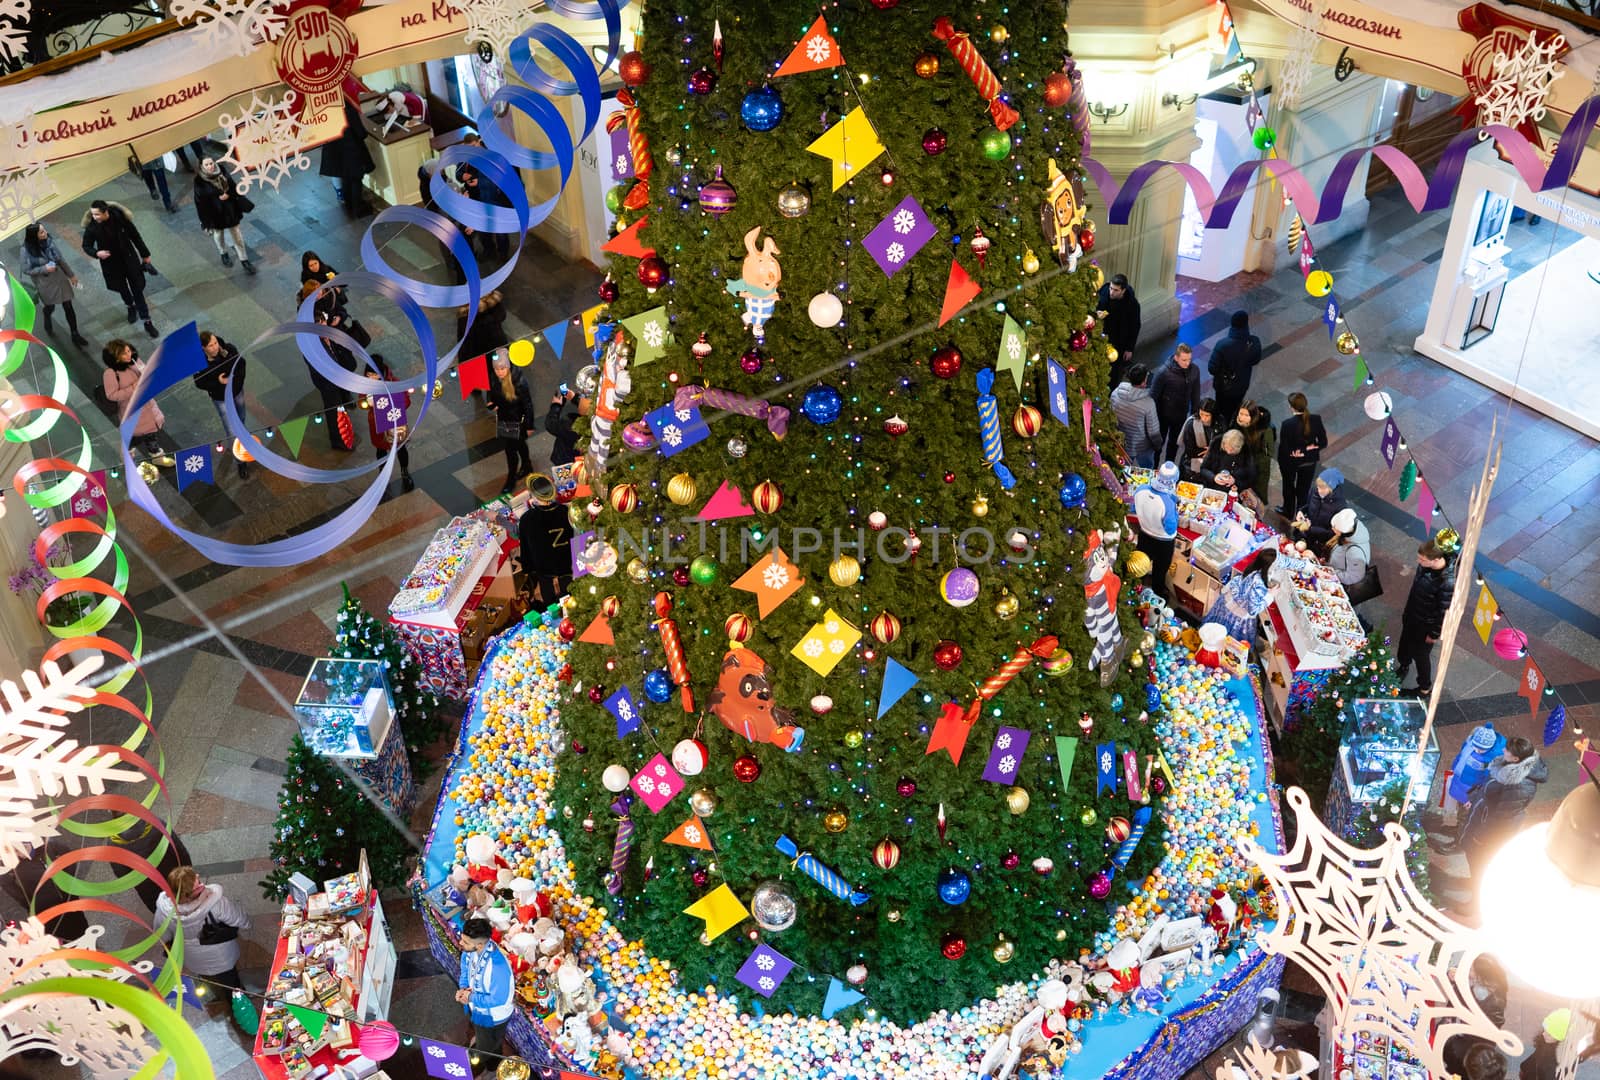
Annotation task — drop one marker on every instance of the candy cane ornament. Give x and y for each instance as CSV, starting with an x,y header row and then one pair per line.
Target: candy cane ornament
x,y
977,69
989,429
638,196
677,666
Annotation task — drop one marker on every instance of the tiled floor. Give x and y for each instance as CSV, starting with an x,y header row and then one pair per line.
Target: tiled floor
x,y
225,734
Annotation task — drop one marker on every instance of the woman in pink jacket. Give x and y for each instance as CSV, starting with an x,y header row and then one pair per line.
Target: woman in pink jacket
x,y
123,368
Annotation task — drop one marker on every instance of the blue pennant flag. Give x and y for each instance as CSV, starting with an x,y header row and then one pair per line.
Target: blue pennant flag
x,y
1554,724
897,679
676,429
1330,316
840,997
1059,402
1105,765
194,466
621,705
556,335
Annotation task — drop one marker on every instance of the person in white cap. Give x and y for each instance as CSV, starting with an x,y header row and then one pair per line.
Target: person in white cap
x,y
1156,506
1352,548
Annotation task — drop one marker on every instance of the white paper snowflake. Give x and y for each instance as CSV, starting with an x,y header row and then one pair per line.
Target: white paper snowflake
x,y
237,25
765,962
691,834
818,48
454,1068
1521,82
1106,762
620,165
105,1040
82,506
895,253
435,1051
683,415
624,710
904,221
1252,1061
14,18
25,183
766,982
1388,962
837,647
1296,71
654,335
775,576
36,760
193,463
812,647
646,785
1013,346
831,626
264,141
496,23
1003,741
1061,402
395,415
660,770
1007,765
672,435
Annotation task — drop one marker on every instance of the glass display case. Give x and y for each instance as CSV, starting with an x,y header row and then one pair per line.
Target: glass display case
x,y
1377,747
344,707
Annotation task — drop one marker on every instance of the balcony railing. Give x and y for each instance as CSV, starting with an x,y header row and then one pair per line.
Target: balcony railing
x,y
60,33
1584,13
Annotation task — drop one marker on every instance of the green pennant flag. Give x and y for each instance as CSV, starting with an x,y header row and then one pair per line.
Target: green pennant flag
x,y
1408,480
1361,371
1066,750
650,335
310,1019
294,433
1013,351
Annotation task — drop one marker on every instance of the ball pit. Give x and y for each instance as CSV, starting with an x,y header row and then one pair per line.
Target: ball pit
x,y
499,785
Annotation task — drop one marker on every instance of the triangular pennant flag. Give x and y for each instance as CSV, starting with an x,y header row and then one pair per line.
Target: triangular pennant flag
x,y
840,997
598,632
773,578
556,335
692,833
851,145
650,335
474,375
816,51
1013,350
1425,505
627,242
589,318
310,1019
897,679
1483,614
720,909
1066,751
294,433
950,732
725,502
194,466
1361,371
959,291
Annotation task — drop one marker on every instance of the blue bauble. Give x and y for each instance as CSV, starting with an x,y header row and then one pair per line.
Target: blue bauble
x,y
761,109
1152,697
1116,702
658,685
1073,491
954,886
821,404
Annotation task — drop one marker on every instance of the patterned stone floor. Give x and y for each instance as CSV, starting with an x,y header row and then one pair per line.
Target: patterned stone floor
x,y
225,737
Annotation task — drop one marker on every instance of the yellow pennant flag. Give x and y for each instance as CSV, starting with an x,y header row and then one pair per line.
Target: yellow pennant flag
x,y
589,318
1483,615
721,909
851,145
828,642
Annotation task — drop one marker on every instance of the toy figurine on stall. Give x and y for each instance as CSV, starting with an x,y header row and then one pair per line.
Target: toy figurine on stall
x,y
1209,654
1221,914
1100,588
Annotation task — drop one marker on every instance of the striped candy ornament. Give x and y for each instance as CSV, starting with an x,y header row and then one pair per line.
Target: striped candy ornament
x,y
823,875
989,429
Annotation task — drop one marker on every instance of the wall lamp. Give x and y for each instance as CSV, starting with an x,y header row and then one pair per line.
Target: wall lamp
x,y
1104,112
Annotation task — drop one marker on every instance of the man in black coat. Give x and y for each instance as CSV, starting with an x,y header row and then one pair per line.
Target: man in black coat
x,y
1423,619
481,189
1177,392
545,534
347,160
110,237
1233,360
559,424
1120,322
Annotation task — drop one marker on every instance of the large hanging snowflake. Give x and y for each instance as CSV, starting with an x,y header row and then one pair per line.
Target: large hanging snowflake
x,y
107,1041
14,18
1252,1061
264,141
240,26
495,23
1521,83
25,183
36,760
1388,962
1296,71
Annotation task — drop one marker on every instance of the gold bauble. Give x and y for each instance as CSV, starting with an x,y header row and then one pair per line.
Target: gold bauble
x,y
927,65
999,35
844,571
1136,659
1003,951
438,390
638,572
853,738
1138,564
1148,642
1007,606
1111,352
1017,801
980,505
148,472
1030,261
1346,343
1061,935
835,821
703,802
512,1068
894,915
681,489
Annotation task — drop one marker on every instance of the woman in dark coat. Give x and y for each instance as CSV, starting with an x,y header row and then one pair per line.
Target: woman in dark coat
x,y
1228,464
1300,445
110,237
328,311
560,425
220,208
512,404
347,160
1314,523
53,279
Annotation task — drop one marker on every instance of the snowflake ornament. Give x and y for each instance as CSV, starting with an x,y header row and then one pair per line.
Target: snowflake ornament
x,y
672,435
1013,346
1389,963
654,335
1253,1061
495,23
193,463
813,647
775,577
1296,72
765,962
818,49
904,221
895,253
1007,765
240,26
24,180
1516,95
14,18
691,834
264,141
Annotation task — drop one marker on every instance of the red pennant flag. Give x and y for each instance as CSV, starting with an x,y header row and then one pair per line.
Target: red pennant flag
x,y
951,731
691,833
816,51
474,375
959,291
1532,686
599,632
627,242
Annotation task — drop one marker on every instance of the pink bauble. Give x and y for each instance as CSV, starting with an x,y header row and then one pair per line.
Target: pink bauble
x,y
378,1040
1100,885
1510,643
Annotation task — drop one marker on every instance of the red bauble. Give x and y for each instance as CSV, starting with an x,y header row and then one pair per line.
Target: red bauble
x,y
886,854
946,655
700,878
1057,89
1086,240
750,362
1010,860
652,272
884,5
953,945
934,142
566,629
703,81
596,694
633,69
946,362
1079,341
609,291
905,787
578,747
680,575
746,768
895,427
737,626
1158,785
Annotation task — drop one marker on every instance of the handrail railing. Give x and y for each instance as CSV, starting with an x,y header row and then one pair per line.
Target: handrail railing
x,y
82,38
1584,13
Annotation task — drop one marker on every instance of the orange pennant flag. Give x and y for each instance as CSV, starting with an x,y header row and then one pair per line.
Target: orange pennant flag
x,y
627,242
773,578
950,732
599,632
691,833
817,50
959,291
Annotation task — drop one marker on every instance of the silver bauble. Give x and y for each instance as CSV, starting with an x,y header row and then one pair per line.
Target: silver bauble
x,y
587,380
737,447
773,906
558,741
793,201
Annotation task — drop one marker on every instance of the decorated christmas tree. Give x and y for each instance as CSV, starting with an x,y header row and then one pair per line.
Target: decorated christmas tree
x,y
323,823
1309,751
855,653
359,636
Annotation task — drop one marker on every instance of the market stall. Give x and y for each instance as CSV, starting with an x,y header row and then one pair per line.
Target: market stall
x,y
1311,629
1215,531
1377,752
627,1016
333,968
346,712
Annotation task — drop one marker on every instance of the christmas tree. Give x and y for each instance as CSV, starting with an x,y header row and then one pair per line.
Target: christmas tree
x,y
359,636
912,542
323,823
1390,806
1309,751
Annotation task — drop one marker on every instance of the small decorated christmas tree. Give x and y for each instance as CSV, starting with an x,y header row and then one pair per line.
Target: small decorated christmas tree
x,y
359,636
1310,749
1391,806
323,823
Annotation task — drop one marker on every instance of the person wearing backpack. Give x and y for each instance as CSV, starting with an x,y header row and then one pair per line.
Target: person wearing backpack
x,y
210,924
1233,361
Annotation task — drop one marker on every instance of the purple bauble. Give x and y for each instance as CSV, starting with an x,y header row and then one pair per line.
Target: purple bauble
x,y
934,142
750,363
638,436
959,587
1100,885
